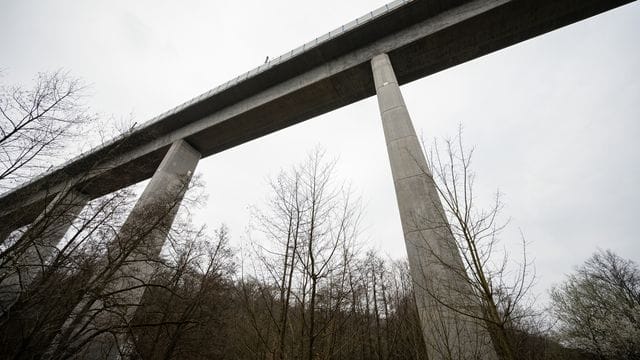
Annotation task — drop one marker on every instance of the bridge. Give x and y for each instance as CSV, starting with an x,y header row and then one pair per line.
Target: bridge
x,y
420,37
373,55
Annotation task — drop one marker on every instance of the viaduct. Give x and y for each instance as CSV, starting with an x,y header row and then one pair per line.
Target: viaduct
x,y
373,55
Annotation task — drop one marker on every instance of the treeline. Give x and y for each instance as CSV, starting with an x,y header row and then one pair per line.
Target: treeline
x,y
197,308
220,318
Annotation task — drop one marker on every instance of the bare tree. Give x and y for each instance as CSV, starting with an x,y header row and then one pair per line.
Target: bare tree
x,y
598,307
42,307
101,322
496,287
111,266
311,226
36,123
192,303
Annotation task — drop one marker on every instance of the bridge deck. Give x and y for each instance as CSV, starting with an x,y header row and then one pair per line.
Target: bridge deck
x,y
421,37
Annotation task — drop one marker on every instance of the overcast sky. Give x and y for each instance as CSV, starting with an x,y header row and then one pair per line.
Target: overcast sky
x,y
555,120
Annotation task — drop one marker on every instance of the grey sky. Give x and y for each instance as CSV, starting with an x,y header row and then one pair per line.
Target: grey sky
x,y
554,120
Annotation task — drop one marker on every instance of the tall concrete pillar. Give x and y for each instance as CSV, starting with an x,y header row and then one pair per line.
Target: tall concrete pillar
x,y
440,282
28,257
143,234
133,255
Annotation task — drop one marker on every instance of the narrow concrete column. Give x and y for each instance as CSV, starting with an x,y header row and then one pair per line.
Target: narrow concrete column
x,y
440,281
29,255
133,255
143,234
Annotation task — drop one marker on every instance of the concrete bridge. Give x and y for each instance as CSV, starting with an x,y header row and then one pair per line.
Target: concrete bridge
x,y
375,54
420,37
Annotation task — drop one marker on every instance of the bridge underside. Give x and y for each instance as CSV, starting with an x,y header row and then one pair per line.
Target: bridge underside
x,y
420,37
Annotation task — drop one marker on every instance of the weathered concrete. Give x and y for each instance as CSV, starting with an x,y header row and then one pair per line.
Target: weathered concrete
x,y
421,37
436,266
133,256
30,254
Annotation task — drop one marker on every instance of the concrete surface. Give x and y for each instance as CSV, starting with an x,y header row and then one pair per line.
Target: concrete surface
x,y
439,278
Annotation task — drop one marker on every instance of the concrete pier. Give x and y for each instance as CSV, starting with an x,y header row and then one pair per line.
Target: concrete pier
x,y
134,254
439,279
31,253
143,234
